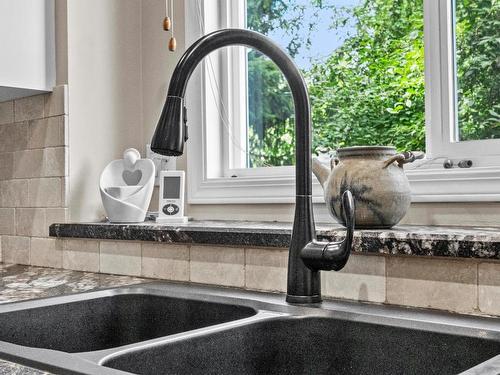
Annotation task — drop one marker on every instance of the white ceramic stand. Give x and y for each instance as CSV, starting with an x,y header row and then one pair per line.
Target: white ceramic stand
x,y
126,187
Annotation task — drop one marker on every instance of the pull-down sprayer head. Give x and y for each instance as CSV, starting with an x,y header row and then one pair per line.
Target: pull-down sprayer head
x,y
171,131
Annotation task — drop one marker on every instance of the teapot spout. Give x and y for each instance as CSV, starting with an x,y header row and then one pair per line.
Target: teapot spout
x,y
320,171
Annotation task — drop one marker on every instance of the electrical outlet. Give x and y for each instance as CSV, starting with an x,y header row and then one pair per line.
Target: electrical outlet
x,y
161,162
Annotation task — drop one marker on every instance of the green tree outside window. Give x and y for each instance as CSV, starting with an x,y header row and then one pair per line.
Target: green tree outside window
x,y
369,90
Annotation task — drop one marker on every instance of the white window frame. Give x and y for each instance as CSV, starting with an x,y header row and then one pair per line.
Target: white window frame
x,y
212,176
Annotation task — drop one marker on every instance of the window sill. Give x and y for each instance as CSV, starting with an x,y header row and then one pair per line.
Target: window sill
x,y
457,242
480,184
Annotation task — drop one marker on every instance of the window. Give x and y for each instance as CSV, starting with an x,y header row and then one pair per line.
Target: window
x,y
416,74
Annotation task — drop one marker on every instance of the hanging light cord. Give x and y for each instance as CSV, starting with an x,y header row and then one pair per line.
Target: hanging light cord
x,y
172,16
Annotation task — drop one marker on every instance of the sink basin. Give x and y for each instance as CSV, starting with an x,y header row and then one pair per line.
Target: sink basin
x,y
113,321
167,328
312,346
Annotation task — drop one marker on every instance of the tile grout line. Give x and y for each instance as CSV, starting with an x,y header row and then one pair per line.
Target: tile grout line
x,y
189,262
477,287
245,250
99,255
385,279
142,256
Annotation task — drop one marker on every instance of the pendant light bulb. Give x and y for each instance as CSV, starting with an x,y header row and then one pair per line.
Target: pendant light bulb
x,y
172,44
167,23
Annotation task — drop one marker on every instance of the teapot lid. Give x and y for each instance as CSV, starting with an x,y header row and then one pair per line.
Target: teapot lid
x,y
365,151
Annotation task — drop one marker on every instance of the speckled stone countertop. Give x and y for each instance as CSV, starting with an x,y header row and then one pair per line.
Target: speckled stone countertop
x,y
19,283
464,242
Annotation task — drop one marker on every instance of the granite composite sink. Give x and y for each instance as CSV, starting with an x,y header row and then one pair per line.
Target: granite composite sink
x,y
163,328
111,321
312,346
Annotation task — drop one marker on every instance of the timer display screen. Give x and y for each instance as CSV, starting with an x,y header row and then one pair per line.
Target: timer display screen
x,y
171,187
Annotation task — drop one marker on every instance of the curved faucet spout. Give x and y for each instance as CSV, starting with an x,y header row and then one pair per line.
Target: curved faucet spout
x,y
304,284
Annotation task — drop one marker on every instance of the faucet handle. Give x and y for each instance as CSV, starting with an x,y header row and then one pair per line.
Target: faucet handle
x,y
348,212
328,256
337,253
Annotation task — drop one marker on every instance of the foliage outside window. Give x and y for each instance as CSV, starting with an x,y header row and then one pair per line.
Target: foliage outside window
x,y
370,89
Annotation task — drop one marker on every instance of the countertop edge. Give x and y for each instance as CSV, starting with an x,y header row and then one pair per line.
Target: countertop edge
x,y
456,242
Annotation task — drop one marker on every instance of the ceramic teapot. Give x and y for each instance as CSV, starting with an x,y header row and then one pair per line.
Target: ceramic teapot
x,y
376,179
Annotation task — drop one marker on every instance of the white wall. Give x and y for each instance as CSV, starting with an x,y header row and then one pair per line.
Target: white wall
x,y
105,94
158,62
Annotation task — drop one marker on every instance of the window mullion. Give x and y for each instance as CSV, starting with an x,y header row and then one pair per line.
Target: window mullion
x,y
236,101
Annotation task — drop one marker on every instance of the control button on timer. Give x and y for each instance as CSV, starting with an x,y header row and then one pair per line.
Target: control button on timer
x,y
170,209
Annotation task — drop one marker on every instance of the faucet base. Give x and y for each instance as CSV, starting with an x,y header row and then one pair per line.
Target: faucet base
x,y
303,299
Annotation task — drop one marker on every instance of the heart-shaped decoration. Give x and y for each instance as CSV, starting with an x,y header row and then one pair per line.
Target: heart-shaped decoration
x,y
132,177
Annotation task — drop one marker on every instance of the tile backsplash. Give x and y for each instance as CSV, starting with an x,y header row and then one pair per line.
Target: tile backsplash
x,y
464,286
33,176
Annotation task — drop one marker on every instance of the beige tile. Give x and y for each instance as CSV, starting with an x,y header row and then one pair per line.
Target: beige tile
x,y
489,288
432,282
46,132
164,261
81,255
56,215
14,193
6,112
49,162
266,269
28,164
7,221
14,137
56,102
46,252
55,163
29,108
31,222
120,257
6,166
16,249
217,265
45,192
362,279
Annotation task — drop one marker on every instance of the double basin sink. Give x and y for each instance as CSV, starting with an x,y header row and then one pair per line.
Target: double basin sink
x,y
162,328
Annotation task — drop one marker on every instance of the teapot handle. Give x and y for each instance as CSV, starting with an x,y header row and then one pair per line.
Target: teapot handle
x,y
404,157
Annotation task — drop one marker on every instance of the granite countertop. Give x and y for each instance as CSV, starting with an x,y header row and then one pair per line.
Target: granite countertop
x,y
19,283
464,242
